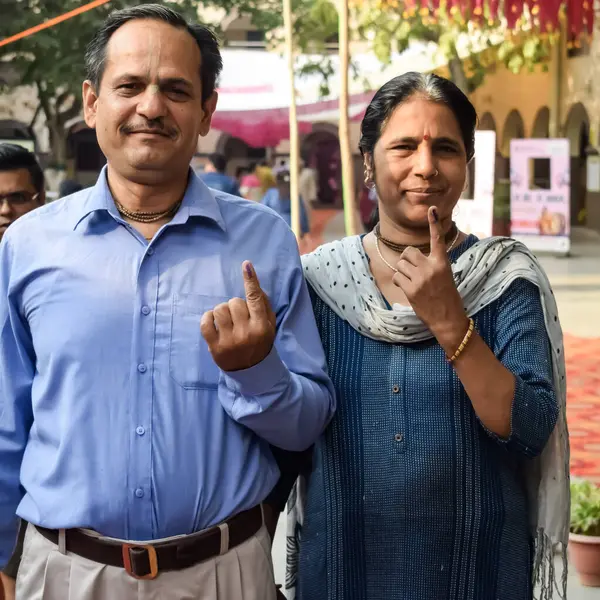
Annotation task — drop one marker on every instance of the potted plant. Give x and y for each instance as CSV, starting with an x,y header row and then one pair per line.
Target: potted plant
x,y
584,540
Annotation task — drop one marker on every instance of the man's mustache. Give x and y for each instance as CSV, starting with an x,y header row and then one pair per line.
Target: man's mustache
x,y
159,128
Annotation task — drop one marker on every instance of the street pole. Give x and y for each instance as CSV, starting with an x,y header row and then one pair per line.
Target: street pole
x,y
344,122
557,66
294,145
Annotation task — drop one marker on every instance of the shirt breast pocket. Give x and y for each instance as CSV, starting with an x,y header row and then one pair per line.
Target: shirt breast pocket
x,y
190,362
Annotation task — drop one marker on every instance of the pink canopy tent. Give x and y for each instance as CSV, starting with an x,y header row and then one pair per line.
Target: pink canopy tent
x,y
254,99
266,128
257,128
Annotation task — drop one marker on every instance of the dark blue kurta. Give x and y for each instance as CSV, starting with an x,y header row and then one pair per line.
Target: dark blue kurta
x,y
411,498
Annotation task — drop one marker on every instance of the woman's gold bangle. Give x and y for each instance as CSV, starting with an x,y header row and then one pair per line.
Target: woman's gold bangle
x,y
465,341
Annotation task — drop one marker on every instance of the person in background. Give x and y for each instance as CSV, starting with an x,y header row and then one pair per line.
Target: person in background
x,y
308,186
68,187
214,175
250,186
308,182
145,371
240,173
266,178
279,199
21,184
21,191
282,166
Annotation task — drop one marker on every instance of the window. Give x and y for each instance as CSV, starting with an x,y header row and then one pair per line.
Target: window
x,y
539,174
255,36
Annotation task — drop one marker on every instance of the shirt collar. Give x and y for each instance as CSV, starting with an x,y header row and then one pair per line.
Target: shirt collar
x,y
198,201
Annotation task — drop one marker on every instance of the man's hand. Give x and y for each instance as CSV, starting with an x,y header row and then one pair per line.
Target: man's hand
x,y
240,333
9,586
428,283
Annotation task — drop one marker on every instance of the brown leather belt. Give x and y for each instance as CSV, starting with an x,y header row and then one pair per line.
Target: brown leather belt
x,y
145,561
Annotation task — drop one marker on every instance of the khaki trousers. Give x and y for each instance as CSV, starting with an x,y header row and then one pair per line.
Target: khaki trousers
x,y
242,573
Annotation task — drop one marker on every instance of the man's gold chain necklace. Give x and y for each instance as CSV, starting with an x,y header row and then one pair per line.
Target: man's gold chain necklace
x,y
147,217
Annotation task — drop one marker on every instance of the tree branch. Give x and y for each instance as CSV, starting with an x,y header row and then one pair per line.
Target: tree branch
x,y
70,113
36,114
457,70
60,100
44,102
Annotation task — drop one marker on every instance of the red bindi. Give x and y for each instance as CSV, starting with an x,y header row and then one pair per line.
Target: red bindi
x,y
426,137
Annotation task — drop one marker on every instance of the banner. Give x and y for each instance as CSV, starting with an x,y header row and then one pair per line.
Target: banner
x,y
540,194
475,214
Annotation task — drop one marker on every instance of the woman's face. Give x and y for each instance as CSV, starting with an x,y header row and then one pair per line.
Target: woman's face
x,y
420,161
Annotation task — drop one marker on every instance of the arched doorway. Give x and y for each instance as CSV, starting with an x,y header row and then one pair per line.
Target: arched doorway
x,y
238,153
541,124
321,150
514,128
487,122
541,168
84,152
577,130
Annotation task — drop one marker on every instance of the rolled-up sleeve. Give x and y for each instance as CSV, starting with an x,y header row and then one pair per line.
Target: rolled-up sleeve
x,y
521,343
288,398
16,376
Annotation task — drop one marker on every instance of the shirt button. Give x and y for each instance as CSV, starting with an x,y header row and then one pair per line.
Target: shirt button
x,y
140,431
396,389
139,493
142,368
150,251
145,310
398,437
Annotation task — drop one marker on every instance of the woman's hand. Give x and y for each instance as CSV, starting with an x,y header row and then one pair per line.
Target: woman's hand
x,y
428,283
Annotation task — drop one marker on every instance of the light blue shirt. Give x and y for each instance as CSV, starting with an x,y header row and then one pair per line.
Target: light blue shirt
x,y
113,415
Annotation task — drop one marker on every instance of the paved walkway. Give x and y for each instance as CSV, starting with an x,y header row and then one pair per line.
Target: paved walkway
x,y
576,283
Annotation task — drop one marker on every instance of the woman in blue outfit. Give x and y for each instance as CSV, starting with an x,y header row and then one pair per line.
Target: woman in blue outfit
x,y
278,198
444,473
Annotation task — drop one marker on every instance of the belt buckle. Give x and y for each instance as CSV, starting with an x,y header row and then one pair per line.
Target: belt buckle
x,y
152,560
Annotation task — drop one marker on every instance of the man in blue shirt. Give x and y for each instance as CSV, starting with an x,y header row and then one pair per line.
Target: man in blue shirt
x,y
144,369
21,184
214,175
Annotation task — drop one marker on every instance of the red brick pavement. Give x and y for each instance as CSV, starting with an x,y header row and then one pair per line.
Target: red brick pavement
x,y
583,405
319,219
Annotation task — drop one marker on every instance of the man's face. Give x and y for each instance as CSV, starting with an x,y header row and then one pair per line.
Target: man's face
x,y
148,111
17,197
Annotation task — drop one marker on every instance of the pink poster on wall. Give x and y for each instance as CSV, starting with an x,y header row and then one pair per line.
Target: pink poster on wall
x,y
540,193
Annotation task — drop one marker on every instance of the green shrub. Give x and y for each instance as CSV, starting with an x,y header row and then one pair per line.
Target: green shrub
x,y
585,508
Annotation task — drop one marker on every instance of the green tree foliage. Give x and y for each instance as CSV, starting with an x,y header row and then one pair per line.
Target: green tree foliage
x,y
470,44
52,60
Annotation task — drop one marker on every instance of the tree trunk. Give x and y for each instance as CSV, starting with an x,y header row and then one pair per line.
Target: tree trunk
x,y
294,144
51,105
58,145
457,72
344,124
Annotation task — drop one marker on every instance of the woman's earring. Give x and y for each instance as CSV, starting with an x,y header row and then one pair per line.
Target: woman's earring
x,y
369,179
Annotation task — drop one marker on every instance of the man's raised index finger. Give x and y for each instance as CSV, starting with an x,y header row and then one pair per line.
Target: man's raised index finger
x,y
255,297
